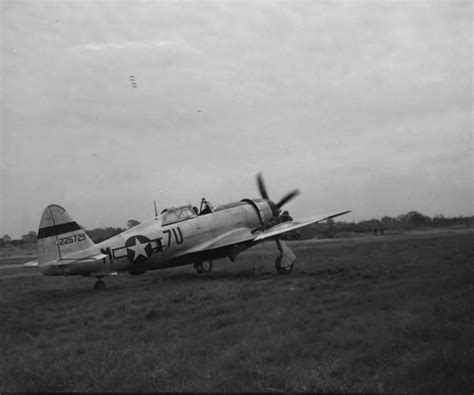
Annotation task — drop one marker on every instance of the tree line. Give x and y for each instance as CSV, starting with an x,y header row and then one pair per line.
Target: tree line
x,y
404,222
328,229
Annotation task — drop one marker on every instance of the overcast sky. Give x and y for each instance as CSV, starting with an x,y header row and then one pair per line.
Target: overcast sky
x,y
363,105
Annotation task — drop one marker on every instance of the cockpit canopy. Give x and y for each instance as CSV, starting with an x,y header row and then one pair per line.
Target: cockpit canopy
x,y
177,214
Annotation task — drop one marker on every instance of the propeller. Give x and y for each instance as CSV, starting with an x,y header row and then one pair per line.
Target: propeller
x,y
289,196
261,186
285,199
286,255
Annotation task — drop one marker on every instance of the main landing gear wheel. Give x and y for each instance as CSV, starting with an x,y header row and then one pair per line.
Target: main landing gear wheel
x,y
99,284
203,267
282,269
285,261
198,267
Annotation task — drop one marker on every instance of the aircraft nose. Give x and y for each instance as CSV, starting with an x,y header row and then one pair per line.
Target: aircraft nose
x,y
274,208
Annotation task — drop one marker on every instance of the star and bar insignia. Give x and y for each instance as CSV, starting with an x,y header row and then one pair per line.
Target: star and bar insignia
x,y
139,249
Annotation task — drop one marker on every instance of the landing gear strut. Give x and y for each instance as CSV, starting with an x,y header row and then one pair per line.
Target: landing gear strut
x,y
203,267
99,284
285,261
280,268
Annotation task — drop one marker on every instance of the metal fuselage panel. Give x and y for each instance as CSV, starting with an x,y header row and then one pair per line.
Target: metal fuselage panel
x,y
168,245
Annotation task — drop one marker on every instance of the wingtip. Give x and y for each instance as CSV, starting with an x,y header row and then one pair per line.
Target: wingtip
x,y
341,213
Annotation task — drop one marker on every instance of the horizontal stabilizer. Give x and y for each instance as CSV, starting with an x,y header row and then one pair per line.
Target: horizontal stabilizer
x,y
72,261
31,264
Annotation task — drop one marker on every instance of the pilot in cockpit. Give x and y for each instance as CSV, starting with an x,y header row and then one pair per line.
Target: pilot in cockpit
x,y
206,207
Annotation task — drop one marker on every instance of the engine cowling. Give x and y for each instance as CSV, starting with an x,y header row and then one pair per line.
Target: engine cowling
x,y
265,209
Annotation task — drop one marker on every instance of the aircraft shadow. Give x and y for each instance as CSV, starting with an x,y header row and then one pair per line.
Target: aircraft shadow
x,y
85,290
241,275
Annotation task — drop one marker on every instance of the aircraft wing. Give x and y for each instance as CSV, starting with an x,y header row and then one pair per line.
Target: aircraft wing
x,y
235,236
242,235
291,225
31,264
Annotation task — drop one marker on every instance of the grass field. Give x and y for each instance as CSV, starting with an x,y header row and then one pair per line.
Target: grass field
x,y
370,314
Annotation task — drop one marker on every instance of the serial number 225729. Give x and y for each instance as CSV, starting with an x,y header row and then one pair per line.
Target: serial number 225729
x,y
71,239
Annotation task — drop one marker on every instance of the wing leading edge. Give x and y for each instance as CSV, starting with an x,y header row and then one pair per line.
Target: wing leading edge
x,y
295,224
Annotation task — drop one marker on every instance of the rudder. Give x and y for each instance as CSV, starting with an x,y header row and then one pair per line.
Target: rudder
x,y
59,236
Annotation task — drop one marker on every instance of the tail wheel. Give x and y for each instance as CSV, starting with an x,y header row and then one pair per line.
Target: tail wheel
x,y
282,269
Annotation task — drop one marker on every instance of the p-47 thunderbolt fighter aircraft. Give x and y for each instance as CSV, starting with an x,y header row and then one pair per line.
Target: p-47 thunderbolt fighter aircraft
x,y
178,236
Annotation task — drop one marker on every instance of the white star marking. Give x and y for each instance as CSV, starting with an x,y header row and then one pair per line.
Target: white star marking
x,y
138,249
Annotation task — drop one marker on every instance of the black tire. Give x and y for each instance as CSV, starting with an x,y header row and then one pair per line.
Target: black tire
x,y
100,285
280,269
199,268
206,267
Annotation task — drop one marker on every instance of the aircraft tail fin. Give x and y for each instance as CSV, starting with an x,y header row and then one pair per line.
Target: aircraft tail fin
x,y
59,237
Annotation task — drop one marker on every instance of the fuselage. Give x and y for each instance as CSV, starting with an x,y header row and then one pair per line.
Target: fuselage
x,y
173,238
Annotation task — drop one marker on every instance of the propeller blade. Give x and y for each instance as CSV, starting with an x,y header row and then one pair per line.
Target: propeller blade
x,y
285,199
261,186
